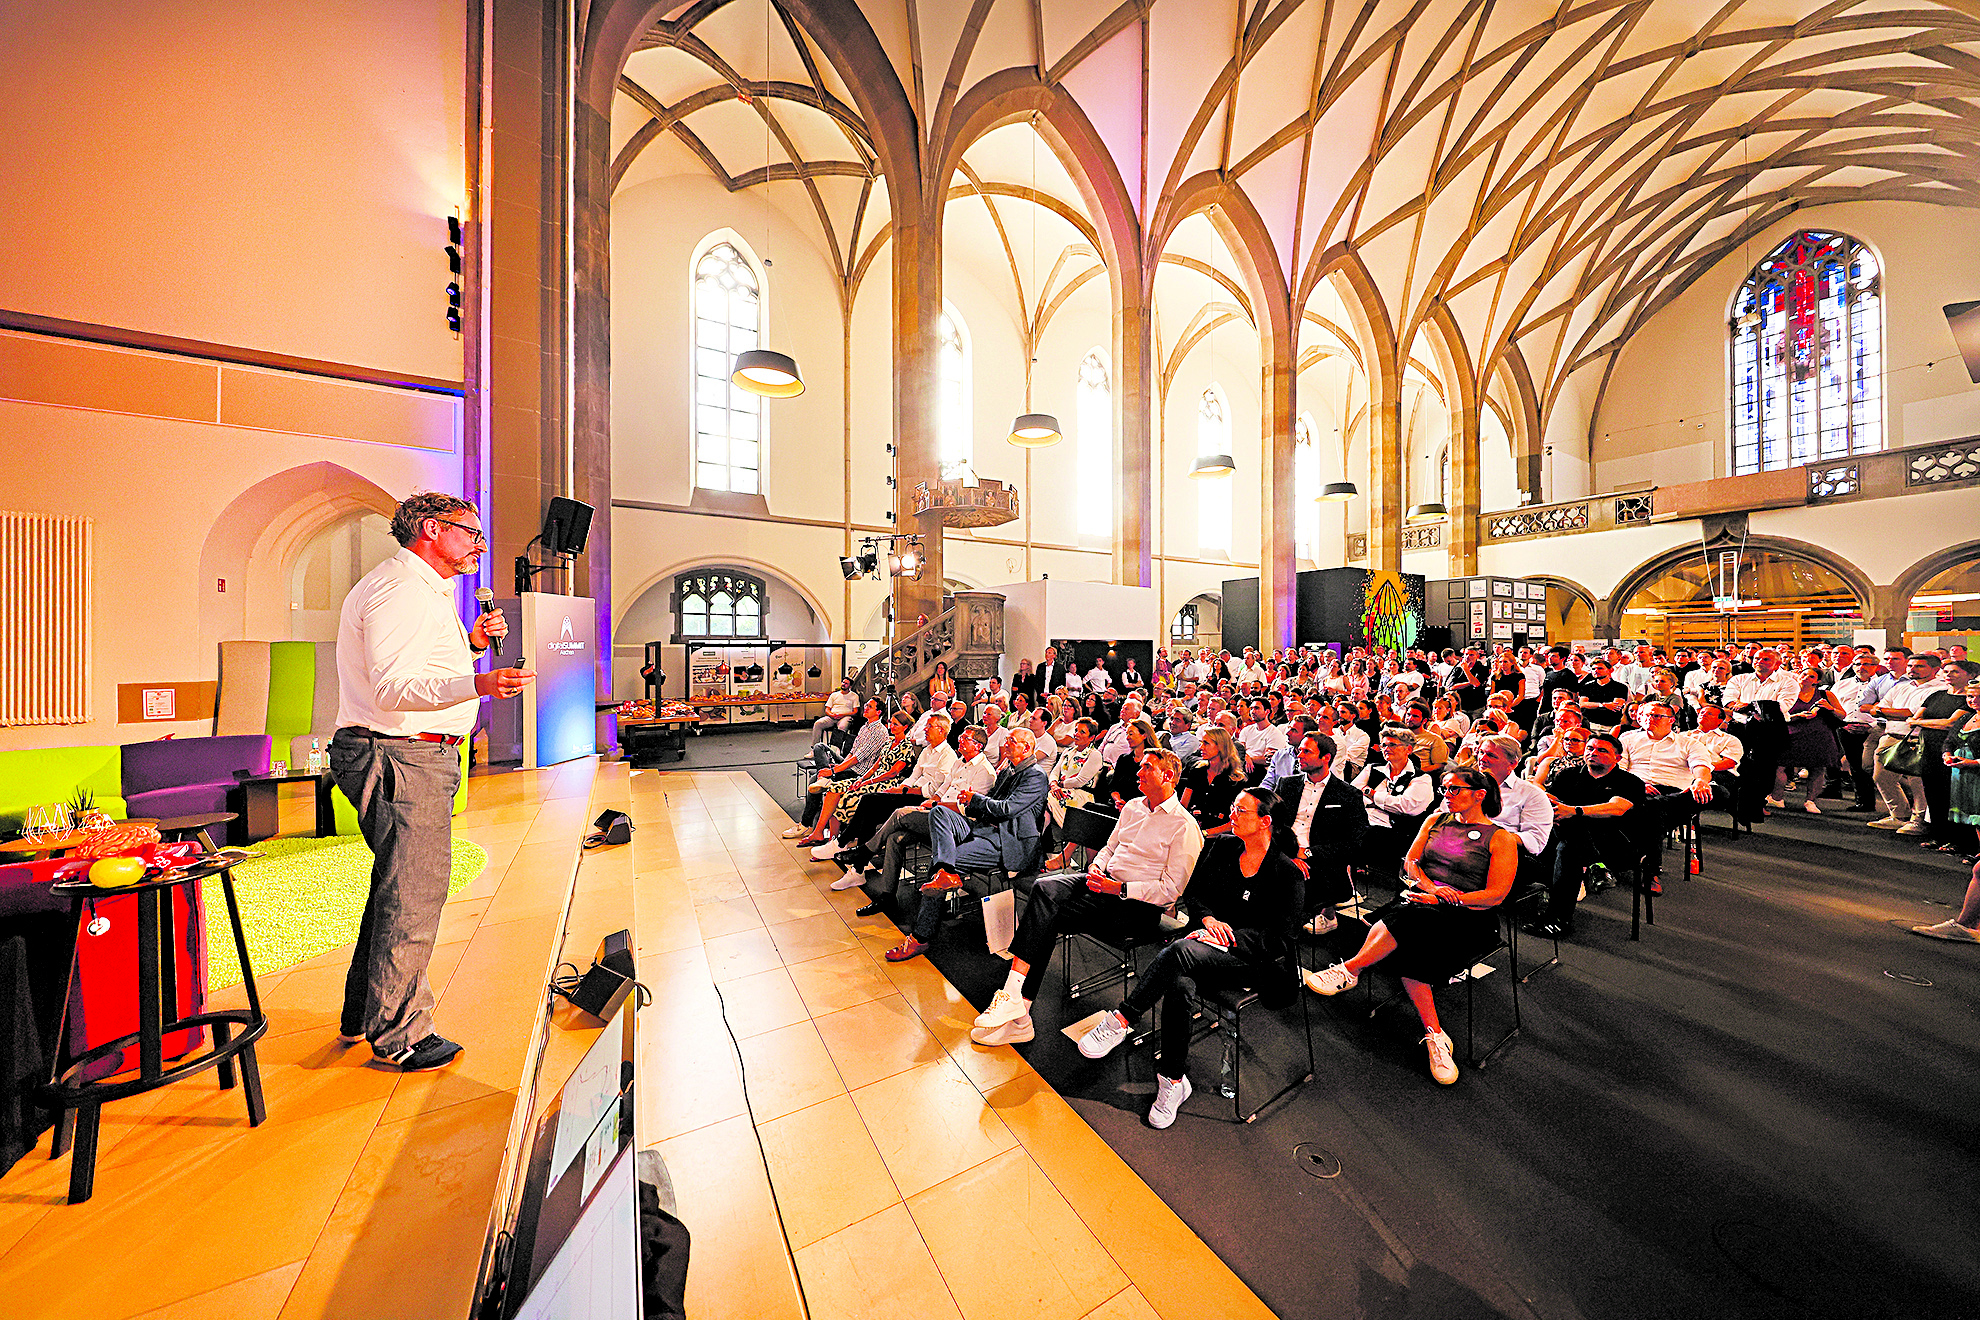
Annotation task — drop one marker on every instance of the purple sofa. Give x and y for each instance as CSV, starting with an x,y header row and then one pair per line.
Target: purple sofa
x,y
189,776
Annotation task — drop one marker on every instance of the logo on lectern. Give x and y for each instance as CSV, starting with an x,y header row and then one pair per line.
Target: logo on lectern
x,y
567,641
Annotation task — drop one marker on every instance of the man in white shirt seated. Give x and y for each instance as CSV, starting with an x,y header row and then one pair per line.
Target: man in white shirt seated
x,y
1350,742
924,781
972,772
840,707
1181,735
1045,750
1717,742
1114,743
1136,878
1758,703
1261,740
1676,772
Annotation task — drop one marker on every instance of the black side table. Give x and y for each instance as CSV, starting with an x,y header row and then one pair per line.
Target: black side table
x,y
79,1100
175,828
257,800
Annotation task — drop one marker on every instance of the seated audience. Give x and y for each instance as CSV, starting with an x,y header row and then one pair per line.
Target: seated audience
x,y
869,738
1758,704
886,773
1244,900
1321,822
931,771
840,709
1812,719
1210,786
1590,803
972,772
1124,779
1460,869
1137,877
1524,809
1398,797
1259,740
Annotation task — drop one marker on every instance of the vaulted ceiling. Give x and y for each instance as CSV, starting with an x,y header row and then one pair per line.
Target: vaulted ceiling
x,y
1550,172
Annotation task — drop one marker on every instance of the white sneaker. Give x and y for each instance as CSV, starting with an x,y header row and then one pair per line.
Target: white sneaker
x,y
1100,1042
1442,1066
1332,981
1915,828
1169,1097
1014,1031
1810,807
1887,823
1322,924
796,832
1944,930
1004,1007
850,880
827,850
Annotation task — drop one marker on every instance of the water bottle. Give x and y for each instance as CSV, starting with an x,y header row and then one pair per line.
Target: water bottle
x,y
316,756
1227,1074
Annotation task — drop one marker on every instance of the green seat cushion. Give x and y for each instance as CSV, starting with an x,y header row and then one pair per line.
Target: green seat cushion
x,y
36,775
291,690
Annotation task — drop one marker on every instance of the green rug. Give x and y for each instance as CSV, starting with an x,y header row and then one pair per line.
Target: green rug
x,y
305,897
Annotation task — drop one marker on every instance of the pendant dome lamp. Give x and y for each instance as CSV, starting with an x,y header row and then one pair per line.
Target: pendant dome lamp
x,y
1428,512
1035,430
765,371
1337,491
769,373
1213,465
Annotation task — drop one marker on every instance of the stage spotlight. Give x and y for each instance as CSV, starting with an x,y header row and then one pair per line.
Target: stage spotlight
x,y
849,565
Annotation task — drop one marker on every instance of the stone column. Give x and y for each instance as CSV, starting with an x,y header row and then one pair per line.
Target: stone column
x,y
1385,484
1134,431
1278,563
1462,535
917,269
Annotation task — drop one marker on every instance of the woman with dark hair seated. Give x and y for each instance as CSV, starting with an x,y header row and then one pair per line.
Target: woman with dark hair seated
x,y
1245,901
1123,782
1460,869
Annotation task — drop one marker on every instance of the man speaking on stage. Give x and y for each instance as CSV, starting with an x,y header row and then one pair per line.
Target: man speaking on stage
x,y
407,699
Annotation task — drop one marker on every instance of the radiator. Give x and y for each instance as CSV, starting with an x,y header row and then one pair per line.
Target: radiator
x,y
44,619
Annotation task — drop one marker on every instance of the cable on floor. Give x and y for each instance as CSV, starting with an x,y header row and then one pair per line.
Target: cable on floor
x,y
742,1069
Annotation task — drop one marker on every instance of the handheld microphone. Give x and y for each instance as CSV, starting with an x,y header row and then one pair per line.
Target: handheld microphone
x,y
487,599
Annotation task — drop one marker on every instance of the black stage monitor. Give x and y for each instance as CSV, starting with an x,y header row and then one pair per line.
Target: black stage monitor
x,y
566,526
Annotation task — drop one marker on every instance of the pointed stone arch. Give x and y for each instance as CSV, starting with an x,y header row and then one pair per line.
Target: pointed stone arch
x,y
1609,615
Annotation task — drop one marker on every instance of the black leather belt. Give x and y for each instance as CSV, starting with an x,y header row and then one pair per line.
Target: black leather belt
x,y
447,739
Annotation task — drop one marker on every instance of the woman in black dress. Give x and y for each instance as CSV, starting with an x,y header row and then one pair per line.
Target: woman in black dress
x,y
1208,787
1124,780
1460,869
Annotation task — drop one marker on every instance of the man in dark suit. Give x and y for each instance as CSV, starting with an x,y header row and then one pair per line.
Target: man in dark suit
x,y
1048,676
996,829
1320,822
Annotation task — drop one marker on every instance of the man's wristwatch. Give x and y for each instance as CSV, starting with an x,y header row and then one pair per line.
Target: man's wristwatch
x,y
1577,811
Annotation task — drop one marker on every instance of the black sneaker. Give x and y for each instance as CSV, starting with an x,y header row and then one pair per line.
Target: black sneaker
x,y
870,910
1548,930
433,1052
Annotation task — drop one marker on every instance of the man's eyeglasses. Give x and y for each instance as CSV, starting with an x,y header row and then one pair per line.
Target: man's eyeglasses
x,y
474,532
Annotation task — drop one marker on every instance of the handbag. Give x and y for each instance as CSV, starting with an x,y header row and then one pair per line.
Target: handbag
x,y
610,827
1906,756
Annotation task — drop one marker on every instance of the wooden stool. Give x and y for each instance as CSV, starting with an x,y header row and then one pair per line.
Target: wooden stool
x,y
81,1100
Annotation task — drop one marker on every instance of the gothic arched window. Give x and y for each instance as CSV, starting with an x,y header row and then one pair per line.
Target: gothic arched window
x,y
717,603
728,420
1183,627
1808,354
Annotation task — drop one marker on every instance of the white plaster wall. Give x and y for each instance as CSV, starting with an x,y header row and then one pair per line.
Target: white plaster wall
x,y
1664,416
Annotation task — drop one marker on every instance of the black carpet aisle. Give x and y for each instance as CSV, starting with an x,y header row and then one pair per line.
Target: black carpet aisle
x,y
1764,1109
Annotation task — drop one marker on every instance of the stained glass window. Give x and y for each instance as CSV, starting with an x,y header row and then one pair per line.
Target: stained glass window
x,y
1095,460
1808,355
728,420
719,604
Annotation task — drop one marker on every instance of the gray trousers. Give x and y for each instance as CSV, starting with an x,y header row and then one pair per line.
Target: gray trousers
x,y
404,795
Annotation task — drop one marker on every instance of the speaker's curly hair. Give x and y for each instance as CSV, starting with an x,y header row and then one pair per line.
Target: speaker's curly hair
x,y
417,507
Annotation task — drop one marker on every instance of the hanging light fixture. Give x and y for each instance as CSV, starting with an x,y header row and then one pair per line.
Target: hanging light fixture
x,y
1213,465
1337,491
1034,430
765,371
1427,512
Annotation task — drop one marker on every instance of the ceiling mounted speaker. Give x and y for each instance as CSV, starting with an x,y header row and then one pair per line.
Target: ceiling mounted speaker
x,y
1035,430
767,372
1341,491
1964,321
1213,465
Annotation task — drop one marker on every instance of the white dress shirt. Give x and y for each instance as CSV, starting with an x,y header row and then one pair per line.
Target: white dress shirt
x,y
975,775
1045,753
1720,746
931,770
1350,750
1670,762
1784,687
1525,810
1153,850
1907,695
1097,679
1851,692
404,666
1385,803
